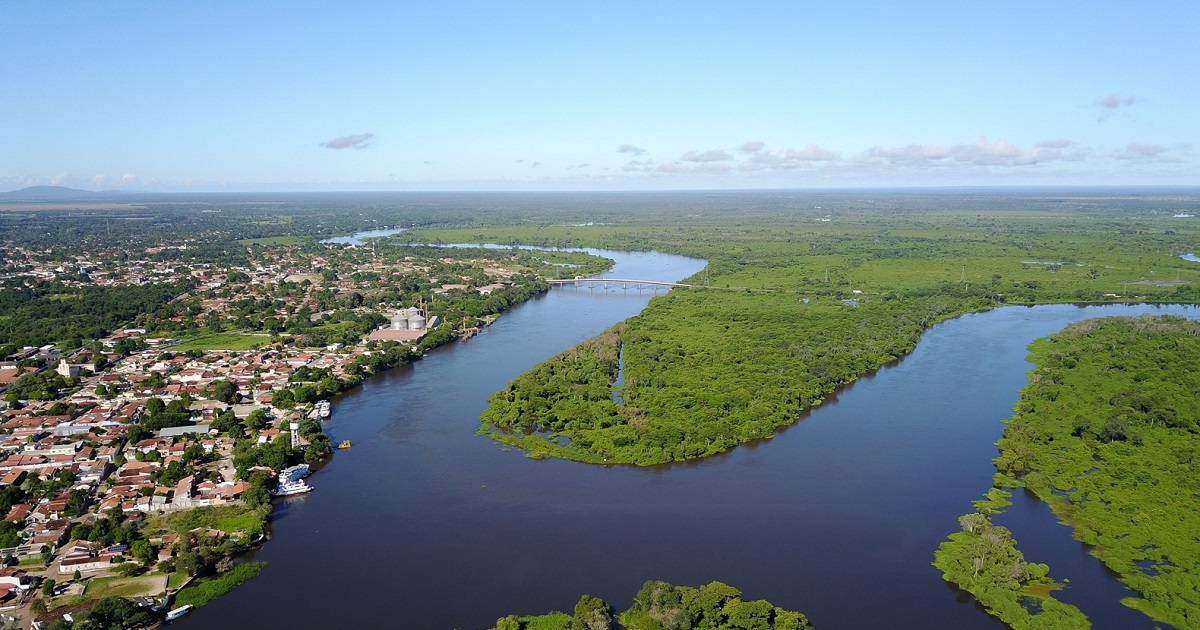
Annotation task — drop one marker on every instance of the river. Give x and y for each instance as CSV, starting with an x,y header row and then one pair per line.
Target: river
x,y
423,524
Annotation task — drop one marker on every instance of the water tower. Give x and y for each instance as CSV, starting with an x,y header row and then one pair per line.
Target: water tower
x,y
294,425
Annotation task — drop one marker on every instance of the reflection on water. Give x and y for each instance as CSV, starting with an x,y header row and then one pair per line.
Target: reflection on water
x,y
361,237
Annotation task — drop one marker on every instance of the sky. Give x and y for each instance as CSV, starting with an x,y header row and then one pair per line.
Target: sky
x,y
614,95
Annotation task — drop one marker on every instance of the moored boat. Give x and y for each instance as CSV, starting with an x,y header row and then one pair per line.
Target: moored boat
x,y
294,473
179,612
290,488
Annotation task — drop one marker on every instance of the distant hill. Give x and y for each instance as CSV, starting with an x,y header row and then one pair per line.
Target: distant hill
x,y
48,192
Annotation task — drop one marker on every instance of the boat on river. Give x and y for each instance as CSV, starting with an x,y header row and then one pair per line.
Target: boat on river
x,y
294,473
344,444
179,612
323,408
289,488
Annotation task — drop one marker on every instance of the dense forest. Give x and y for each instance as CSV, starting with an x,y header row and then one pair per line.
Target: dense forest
x,y
704,371
49,312
662,606
1107,434
805,295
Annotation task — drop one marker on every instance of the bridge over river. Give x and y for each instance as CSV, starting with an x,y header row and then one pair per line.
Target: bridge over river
x,y
624,282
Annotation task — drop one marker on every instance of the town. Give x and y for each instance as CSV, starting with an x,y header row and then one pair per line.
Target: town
x,y
143,442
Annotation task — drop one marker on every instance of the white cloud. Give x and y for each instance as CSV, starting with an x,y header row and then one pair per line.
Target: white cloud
x,y
793,158
1057,143
751,146
1115,101
980,153
706,156
695,167
629,148
1146,153
357,141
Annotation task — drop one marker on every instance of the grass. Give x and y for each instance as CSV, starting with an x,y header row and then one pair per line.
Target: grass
x,y
204,590
148,585
223,341
175,580
227,518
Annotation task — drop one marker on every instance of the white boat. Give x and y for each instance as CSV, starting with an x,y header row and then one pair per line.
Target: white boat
x,y
294,473
179,612
289,488
323,408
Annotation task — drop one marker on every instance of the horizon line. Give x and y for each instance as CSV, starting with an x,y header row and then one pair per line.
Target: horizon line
x,y
947,187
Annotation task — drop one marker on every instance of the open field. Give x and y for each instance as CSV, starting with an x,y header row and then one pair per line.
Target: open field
x,y
224,341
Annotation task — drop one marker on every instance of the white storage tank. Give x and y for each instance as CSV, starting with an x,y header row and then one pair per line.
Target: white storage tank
x,y
399,322
416,322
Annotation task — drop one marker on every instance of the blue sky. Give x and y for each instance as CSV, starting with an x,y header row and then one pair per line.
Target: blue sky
x,y
244,96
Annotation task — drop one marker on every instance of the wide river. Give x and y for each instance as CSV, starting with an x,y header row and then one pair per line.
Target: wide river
x,y
423,524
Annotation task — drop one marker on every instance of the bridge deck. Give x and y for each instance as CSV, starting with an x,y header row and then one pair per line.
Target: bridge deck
x,y
617,280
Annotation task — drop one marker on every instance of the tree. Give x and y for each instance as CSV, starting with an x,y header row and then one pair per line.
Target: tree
x,y
591,613
224,421
256,495
155,405
115,612
305,393
48,587
224,391
282,398
257,420
137,433
155,380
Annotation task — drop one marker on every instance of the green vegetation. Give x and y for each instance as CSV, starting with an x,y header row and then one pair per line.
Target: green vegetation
x,y
802,298
203,590
549,621
661,606
226,518
52,312
176,580
113,613
703,374
145,585
223,341
1107,434
983,560
277,240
